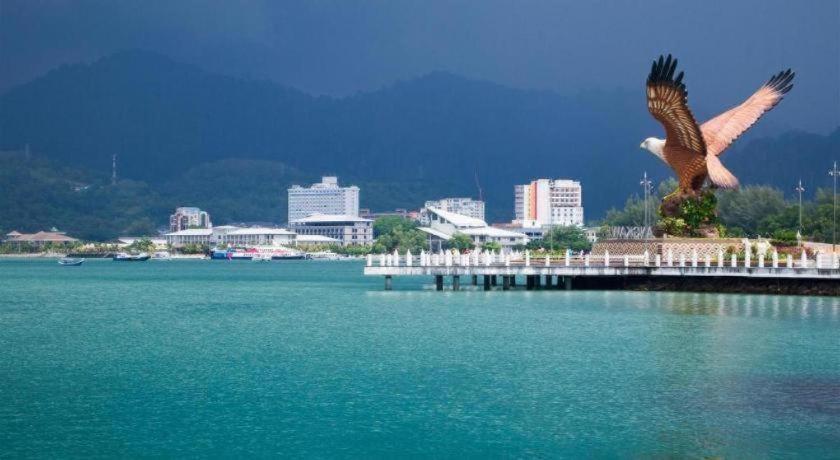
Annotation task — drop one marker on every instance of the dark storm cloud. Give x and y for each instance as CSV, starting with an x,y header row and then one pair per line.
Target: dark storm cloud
x,y
338,47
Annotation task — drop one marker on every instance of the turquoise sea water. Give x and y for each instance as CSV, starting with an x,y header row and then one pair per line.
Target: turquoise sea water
x,y
216,358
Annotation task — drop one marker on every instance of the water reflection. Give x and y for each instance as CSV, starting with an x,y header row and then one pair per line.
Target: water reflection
x,y
734,305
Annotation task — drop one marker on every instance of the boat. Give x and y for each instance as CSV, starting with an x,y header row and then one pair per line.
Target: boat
x,y
161,255
70,261
258,253
125,257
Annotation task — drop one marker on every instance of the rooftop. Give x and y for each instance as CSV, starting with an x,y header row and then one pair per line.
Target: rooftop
x,y
192,232
458,220
46,237
260,231
325,218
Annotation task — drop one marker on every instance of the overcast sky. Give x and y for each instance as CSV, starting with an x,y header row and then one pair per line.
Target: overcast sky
x,y
727,48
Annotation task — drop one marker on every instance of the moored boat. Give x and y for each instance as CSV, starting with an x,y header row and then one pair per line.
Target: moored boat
x,y
70,261
125,257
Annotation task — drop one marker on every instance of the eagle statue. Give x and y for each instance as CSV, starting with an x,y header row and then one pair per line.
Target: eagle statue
x,y
693,150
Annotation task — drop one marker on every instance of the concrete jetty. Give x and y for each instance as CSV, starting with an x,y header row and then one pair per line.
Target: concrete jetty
x,y
774,274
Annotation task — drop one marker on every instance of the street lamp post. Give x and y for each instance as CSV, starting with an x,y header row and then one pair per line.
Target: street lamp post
x,y
800,189
647,188
834,173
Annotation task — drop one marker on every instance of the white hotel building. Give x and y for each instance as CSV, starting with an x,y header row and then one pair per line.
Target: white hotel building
x,y
546,202
325,197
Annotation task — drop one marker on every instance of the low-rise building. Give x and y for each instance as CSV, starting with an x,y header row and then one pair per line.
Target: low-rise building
x,y
443,225
348,230
190,236
39,238
257,236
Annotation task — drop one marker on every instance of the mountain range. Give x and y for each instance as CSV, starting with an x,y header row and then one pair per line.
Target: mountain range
x,y
204,139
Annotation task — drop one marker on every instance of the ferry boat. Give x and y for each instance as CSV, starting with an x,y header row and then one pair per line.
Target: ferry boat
x,y
125,257
257,253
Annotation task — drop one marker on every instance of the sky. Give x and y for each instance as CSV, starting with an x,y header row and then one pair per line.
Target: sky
x,y
727,48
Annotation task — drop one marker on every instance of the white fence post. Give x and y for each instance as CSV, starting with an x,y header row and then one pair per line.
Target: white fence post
x,y
734,259
670,257
804,262
568,257
694,258
369,260
708,260
606,258
527,258
658,260
626,260
775,258
721,261
682,259
761,260
789,261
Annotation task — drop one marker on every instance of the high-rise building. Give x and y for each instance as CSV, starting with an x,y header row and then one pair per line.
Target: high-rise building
x,y
549,202
188,217
463,206
325,197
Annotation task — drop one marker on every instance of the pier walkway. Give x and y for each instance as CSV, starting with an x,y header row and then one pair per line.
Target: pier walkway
x,y
774,274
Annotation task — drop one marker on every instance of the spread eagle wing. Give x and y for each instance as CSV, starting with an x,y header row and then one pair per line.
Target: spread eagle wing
x,y
668,103
722,130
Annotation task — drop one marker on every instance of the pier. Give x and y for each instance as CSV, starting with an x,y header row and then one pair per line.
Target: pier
x,y
490,271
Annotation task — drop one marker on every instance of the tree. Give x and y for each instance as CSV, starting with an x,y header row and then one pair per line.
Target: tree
x,y
388,224
491,246
461,242
142,245
562,238
748,207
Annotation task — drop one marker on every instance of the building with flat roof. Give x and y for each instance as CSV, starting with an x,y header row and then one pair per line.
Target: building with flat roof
x,y
229,235
346,229
464,206
189,217
325,197
546,202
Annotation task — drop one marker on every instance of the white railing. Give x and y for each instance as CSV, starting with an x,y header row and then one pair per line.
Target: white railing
x,y
571,259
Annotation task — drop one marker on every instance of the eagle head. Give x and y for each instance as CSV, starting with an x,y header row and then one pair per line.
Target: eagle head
x,y
654,146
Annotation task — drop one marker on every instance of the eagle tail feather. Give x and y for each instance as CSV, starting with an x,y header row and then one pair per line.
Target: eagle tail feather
x,y
719,175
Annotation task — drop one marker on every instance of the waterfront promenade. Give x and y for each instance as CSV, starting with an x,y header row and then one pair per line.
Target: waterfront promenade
x,y
774,274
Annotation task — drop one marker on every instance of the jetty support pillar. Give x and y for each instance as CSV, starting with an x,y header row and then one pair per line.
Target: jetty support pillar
x,y
456,283
438,282
388,281
505,282
486,282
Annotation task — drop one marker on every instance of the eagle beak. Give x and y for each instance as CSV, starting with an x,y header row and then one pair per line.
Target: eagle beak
x,y
642,145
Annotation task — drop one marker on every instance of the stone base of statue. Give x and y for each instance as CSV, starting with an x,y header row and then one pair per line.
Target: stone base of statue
x,y
689,215
685,247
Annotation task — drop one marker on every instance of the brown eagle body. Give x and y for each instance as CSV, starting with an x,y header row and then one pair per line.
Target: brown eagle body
x,y
692,150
